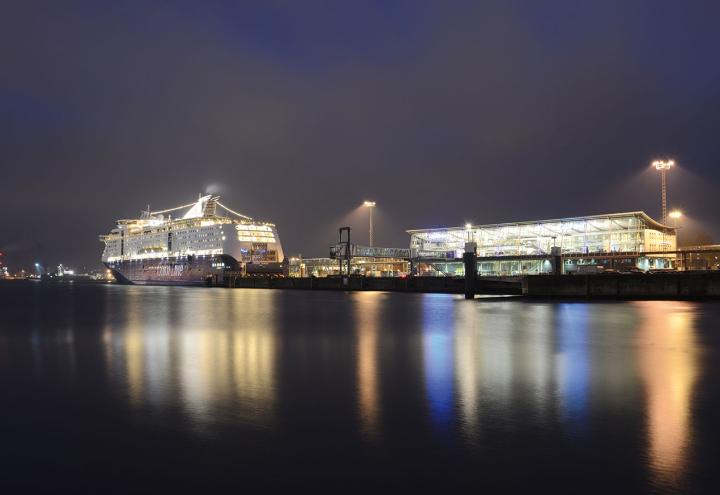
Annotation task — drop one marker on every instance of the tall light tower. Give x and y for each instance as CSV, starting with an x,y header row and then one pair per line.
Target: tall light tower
x,y
663,166
371,206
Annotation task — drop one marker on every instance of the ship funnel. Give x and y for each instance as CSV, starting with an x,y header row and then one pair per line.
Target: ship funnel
x,y
210,206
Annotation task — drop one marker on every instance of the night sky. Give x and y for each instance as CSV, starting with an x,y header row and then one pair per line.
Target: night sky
x,y
297,111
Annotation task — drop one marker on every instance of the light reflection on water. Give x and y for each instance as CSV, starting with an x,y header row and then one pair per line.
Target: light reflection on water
x,y
368,327
197,350
438,360
505,359
479,372
668,364
573,362
474,355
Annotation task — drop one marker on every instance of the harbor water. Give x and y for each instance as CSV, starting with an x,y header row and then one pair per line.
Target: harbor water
x,y
118,389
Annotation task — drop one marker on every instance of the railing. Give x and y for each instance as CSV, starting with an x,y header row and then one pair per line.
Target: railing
x,y
359,251
450,255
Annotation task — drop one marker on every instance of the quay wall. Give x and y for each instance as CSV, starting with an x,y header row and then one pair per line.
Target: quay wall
x,y
682,285
447,285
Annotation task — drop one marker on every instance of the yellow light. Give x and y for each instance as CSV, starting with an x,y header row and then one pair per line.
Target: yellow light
x,y
675,214
468,226
663,164
369,203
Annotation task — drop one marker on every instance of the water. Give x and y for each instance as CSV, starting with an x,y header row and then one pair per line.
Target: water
x,y
112,389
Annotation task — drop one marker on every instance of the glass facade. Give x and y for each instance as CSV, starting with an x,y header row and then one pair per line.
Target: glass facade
x,y
509,248
615,233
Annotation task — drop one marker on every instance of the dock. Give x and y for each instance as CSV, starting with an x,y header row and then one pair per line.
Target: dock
x,y
640,286
677,285
446,285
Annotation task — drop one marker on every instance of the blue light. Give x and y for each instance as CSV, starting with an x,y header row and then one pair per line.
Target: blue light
x,y
574,362
438,356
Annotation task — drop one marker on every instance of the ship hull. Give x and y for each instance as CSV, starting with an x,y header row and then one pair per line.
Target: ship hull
x,y
187,270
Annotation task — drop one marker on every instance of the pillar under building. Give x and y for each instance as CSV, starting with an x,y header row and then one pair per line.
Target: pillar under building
x,y
470,261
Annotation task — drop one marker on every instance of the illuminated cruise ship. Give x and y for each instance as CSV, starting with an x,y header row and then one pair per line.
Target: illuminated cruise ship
x,y
199,248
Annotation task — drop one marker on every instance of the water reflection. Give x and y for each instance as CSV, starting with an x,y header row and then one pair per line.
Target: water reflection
x,y
467,366
52,338
134,346
503,363
573,361
668,364
490,362
534,334
299,384
206,351
367,310
438,359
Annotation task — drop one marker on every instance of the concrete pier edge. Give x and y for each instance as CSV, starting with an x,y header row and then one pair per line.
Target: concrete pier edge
x,y
665,286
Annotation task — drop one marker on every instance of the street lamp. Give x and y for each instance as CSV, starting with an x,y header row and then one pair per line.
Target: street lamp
x,y
371,206
675,215
663,166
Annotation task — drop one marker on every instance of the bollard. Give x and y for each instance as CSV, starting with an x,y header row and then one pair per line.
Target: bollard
x,y
470,261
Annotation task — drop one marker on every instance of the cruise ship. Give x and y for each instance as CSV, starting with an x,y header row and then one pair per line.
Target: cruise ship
x,y
201,247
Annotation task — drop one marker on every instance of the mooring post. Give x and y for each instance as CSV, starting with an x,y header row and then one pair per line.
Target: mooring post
x,y
470,261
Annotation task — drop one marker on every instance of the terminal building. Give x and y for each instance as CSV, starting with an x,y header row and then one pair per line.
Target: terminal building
x,y
619,241
612,241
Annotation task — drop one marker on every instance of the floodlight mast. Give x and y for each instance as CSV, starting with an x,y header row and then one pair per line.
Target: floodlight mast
x,y
663,166
371,206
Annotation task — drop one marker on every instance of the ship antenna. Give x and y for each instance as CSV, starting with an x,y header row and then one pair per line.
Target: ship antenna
x,y
146,213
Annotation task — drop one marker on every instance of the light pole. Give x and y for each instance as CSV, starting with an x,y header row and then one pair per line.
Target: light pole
x,y
676,215
371,206
663,166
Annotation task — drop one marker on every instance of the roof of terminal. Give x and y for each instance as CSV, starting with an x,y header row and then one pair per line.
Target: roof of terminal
x,y
606,216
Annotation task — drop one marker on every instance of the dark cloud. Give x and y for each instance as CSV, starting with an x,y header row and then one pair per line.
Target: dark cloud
x,y
297,111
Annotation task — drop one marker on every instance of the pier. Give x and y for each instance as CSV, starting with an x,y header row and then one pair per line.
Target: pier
x,y
556,283
641,286
446,285
678,285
